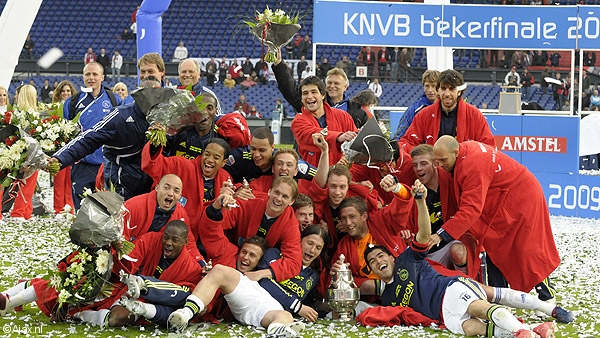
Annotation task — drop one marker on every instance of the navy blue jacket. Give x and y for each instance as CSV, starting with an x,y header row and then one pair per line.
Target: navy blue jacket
x,y
291,292
121,134
409,115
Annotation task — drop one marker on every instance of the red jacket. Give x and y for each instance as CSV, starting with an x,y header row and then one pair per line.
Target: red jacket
x,y
184,271
305,124
503,205
283,234
190,173
141,213
322,209
425,128
404,173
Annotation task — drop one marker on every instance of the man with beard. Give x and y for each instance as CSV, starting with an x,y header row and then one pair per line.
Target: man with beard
x,y
450,115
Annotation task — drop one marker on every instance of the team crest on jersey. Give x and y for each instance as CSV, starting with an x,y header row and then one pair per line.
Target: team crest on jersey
x,y
230,160
303,168
106,104
402,274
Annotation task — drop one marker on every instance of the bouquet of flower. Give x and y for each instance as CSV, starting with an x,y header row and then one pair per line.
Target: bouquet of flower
x,y
53,132
274,29
82,276
168,110
99,222
20,154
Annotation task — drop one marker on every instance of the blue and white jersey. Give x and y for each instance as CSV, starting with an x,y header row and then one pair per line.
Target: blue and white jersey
x,y
91,110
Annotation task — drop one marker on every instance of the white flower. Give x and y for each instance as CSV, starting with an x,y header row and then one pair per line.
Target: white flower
x,y
63,296
47,144
102,262
55,281
6,162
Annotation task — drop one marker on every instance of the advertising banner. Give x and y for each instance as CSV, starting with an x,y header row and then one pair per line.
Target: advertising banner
x,y
454,25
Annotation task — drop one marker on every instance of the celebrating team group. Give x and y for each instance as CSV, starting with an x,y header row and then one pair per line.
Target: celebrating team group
x,y
226,226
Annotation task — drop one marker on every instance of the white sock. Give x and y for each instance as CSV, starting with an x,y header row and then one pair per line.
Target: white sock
x,y
15,289
194,305
96,318
502,318
150,310
521,300
24,297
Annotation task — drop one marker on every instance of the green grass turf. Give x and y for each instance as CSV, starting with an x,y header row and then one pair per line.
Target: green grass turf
x,y
28,249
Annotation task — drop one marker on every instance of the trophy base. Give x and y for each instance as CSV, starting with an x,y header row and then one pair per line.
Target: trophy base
x,y
343,316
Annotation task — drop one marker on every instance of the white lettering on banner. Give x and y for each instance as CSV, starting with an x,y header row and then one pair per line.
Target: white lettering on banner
x,y
571,197
494,29
371,21
533,143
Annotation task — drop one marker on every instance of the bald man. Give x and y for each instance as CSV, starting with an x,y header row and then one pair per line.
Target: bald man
x,y
503,205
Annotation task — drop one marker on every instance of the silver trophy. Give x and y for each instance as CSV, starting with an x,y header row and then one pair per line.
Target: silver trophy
x,y
342,294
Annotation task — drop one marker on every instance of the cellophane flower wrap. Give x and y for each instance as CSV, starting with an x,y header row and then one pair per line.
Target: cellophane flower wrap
x,y
273,29
82,277
175,112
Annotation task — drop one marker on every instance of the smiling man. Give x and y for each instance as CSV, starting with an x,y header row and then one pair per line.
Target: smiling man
x,y
386,226
271,217
88,107
336,85
204,176
233,272
450,115
161,272
442,205
317,116
462,304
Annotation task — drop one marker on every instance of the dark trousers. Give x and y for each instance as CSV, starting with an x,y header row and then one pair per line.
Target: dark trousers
x,y
166,297
83,175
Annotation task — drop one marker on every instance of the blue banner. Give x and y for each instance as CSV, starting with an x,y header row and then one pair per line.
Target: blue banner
x,y
463,26
571,194
149,26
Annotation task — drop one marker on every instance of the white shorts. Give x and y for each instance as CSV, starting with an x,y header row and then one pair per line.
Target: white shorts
x,y
456,301
249,302
442,256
